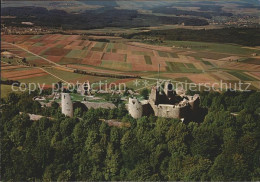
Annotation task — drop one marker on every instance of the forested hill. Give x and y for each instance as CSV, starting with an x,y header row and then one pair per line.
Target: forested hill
x,y
90,19
242,36
224,147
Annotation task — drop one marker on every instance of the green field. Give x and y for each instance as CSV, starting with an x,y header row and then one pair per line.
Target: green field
x,y
148,60
213,47
60,46
242,76
6,89
181,67
116,65
31,58
77,54
36,37
65,75
110,46
99,46
190,66
47,79
173,55
209,55
66,60
207,63
76,97
163,54
183,79
10,61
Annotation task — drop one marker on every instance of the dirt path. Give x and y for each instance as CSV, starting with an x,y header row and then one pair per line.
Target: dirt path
x,y
54,75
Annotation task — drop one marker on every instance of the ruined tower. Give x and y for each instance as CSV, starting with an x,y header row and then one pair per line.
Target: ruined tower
x,y
84,89
169,89
66,105
135,108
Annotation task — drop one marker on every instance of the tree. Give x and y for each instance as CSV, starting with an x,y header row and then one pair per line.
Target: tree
x,y
65,176
229,167
66,126
112,163
55,105
141,172
222,147
13,98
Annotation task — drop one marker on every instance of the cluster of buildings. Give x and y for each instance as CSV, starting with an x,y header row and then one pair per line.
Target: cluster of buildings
x,y
27,29
236,21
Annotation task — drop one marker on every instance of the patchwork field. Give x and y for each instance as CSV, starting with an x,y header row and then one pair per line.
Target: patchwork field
x,y
181,61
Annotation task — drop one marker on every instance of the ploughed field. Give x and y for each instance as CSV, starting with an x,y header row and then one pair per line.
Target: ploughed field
x,y
181,61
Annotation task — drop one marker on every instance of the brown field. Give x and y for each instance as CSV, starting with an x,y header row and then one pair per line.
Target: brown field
x,y
54,58
256,74
89,55
10,67
150,47
97,55
39,62
21,74
27,76
202,78
252,61
37,49
93,62
70,47
209,55
114,57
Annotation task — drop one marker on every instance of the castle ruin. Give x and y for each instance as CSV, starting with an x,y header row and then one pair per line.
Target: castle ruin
x,y
166,103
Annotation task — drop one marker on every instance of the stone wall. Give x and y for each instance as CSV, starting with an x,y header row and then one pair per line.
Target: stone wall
x,y
96,105
171,111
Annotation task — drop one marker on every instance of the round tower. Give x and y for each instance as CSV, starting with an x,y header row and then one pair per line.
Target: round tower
x,y
66,105
135,108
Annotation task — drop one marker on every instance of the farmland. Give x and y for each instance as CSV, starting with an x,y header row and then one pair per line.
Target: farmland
x,y
179,60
